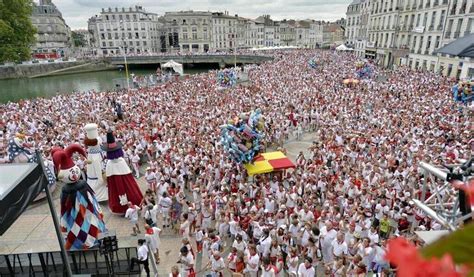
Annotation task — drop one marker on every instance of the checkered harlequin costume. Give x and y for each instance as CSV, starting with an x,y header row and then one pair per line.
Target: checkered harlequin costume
x,y
81,217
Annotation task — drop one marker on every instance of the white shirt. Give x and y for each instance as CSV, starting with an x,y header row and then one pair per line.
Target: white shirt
x,y
254,262
188,261
339,249
142,252
269,273
306,272
165,203
217,265
132,213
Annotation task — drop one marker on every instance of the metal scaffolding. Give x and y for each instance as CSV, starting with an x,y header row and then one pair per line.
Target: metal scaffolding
x,y
443,205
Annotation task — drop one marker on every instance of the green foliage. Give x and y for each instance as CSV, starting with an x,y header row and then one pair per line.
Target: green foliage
x,y
78,39
459,244
17,33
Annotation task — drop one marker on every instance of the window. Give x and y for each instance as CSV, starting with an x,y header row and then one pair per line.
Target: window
x,y
441,20
433,17
103,44
418,20
185,36
109,36
194,29
134,17
120,17
195,36
138,43
438,38
458,28
127,17
106,17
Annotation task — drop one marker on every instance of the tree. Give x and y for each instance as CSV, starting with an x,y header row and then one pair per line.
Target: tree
x,y
78,39
17,33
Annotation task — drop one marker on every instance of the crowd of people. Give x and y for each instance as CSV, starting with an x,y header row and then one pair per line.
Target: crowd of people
x,y
351,190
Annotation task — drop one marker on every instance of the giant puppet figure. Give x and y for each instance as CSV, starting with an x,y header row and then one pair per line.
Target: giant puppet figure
x,y
21,151
121,184
94,166
81,217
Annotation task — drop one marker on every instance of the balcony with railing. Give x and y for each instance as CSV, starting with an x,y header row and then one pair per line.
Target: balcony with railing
x,y
456,34
447,35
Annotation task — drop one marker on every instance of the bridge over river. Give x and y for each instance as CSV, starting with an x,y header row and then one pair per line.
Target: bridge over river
x,y
222,60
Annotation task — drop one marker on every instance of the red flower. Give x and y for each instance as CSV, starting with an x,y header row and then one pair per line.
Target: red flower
x,y
468,188
410,263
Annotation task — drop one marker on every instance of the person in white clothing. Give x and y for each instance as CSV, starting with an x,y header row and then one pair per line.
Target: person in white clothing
x,y
135,164
328,234
217,264
252,262
339,246
142,257
306,268
152,237
187,262
132,214
165,205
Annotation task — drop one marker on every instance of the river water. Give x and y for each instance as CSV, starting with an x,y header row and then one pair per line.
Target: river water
x,y
16,89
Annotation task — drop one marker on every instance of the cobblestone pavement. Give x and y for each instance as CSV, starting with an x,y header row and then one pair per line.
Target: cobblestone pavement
x,y
34,231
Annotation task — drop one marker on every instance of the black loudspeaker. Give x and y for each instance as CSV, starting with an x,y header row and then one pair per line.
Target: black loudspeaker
x,y
108,244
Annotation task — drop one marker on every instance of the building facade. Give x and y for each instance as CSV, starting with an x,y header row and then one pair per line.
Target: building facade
x,y
53,37
193,30
408,32
224,31
353,23
126,30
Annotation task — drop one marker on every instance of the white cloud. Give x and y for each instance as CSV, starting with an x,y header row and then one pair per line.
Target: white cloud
x,y
76,12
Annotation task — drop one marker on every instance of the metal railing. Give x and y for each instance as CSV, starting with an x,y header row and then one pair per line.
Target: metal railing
x,y
50,263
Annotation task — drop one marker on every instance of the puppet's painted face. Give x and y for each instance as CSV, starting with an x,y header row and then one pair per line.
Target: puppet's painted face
x,y
70,175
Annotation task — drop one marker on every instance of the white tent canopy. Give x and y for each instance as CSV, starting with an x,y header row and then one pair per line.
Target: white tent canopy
x,y
343,47
177,67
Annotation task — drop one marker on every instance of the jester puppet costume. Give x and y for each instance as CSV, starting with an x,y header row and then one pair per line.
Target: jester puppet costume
x,y
81,217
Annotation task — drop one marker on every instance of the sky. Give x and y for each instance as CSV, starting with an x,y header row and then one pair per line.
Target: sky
x,y
76,12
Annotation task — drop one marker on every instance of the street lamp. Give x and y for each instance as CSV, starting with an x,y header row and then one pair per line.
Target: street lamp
x,y
124,55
